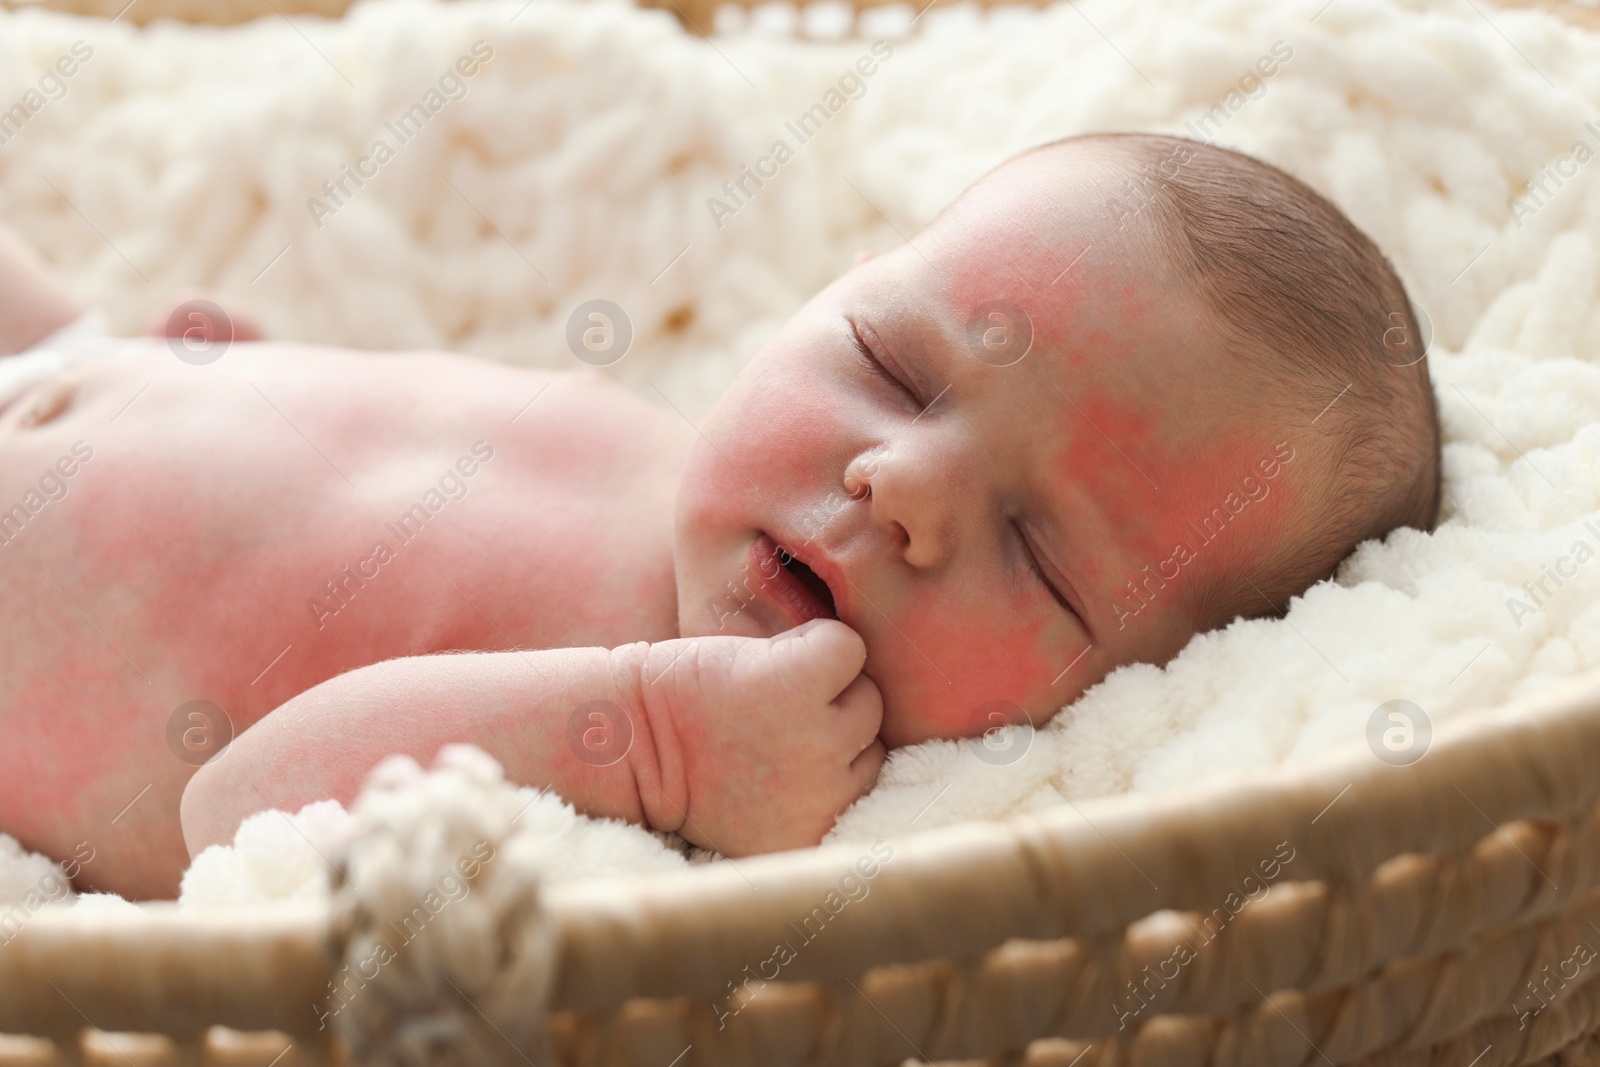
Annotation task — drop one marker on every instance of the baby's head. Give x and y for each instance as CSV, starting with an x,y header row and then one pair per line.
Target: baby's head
x,y
1122,390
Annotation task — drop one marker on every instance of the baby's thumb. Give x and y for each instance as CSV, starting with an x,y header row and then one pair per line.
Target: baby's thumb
x,y
821,656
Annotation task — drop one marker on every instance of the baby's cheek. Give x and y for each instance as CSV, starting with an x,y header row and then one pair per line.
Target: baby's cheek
x,y
961,663
778,443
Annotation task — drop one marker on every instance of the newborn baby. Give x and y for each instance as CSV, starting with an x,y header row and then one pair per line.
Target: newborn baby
x,y
1123,390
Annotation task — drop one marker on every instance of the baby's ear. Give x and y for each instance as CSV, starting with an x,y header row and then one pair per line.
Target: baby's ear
x,y
862,256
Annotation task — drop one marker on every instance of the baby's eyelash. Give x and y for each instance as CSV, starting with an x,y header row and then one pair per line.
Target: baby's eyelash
x,y
1038,572
867,359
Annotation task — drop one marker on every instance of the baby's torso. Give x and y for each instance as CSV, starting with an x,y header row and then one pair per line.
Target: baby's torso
x,y
238,532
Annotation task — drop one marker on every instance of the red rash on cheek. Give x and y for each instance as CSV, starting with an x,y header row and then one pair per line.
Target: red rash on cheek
x,y
1211,497
1260,510
949,660
1098,461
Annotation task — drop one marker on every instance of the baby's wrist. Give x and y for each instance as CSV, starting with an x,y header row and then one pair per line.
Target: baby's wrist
x,y
654,756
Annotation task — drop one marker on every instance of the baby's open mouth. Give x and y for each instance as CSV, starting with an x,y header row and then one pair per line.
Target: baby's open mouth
x,y
796,590
809,579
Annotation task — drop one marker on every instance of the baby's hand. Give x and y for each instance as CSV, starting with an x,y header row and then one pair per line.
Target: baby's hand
x,y
764,740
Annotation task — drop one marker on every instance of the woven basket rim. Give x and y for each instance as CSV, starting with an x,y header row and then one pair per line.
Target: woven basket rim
x,y
1084,872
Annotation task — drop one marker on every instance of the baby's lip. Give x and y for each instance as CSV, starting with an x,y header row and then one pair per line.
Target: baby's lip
x,y
803,604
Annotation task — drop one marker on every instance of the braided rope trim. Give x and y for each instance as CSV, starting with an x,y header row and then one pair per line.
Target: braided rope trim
x,y
441,952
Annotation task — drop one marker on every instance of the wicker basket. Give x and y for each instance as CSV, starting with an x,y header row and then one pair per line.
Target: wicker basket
x,y
1442,914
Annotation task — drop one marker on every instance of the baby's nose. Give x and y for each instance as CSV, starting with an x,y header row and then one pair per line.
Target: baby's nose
x,y
910,498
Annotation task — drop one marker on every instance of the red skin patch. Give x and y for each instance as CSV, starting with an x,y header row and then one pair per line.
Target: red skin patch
x,y
985,652
1110,456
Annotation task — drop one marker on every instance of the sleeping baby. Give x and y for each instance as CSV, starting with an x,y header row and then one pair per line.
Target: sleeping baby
x,y
1123,390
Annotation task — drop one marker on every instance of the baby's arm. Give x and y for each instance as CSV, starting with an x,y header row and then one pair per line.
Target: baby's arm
x,y
322,743
740,744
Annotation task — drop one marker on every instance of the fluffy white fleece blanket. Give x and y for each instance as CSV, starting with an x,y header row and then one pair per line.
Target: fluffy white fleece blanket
x,y
579,164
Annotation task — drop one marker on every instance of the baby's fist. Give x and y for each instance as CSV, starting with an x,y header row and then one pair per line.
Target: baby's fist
x,y
774,737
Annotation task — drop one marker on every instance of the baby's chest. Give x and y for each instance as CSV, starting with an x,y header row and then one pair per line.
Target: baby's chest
x,y
259,535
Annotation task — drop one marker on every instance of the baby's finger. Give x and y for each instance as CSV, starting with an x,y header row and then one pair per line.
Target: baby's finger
x,y
860,714
865,767
818,659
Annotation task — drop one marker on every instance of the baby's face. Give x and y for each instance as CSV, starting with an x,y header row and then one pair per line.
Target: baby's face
x,y
977,516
